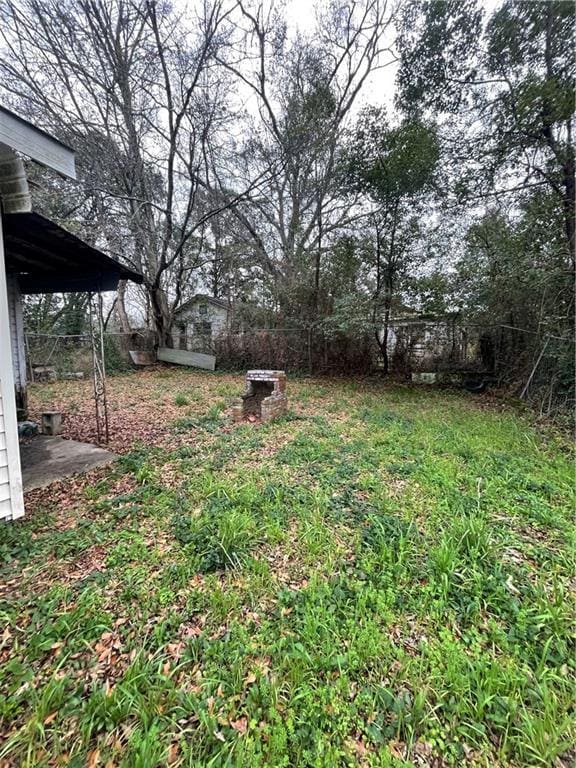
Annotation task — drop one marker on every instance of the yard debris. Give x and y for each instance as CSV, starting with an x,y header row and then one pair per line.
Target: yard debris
x,y
510,585
27,429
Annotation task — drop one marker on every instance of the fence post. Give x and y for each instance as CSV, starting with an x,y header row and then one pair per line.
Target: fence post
x,y
533,371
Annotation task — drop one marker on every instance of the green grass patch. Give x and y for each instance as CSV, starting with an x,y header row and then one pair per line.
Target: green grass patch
x,y
384,577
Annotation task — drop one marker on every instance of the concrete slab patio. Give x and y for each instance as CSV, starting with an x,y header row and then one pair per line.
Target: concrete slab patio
x,y
47,459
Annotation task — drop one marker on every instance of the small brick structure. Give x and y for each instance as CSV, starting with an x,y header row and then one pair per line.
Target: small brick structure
x,y
265,396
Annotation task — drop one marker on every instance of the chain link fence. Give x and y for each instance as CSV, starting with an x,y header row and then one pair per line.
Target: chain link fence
x,y
411,347
56,356
537,366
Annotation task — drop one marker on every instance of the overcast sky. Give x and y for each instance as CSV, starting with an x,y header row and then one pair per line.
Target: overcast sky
x,y
379,87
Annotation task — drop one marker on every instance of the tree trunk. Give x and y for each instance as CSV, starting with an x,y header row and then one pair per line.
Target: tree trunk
x,y
569,207
317,286
318,263
120,308
384,343
160,317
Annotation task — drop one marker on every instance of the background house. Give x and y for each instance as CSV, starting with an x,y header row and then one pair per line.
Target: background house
x,y
199,321
420,341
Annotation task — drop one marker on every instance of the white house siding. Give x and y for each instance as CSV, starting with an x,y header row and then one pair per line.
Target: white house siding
x,y
11,498
4,478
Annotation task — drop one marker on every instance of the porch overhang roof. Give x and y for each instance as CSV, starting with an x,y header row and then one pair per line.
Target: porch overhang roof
x,y
47,259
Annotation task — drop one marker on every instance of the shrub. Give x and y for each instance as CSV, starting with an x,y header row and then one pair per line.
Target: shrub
x,y
116,360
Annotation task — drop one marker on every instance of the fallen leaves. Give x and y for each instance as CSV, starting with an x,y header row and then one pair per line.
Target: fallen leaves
x,y
108,660
173,752
141,406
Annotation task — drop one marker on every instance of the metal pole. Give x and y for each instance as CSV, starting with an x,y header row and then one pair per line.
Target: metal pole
x,y
94,374
98,368
103,365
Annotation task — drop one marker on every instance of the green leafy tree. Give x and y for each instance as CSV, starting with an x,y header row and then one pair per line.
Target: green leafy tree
x,y
513,283
54,313
512,166
531,51
438,45
516,75
394,169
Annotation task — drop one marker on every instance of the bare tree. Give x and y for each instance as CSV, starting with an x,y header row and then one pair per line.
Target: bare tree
x,y
300,92
134,86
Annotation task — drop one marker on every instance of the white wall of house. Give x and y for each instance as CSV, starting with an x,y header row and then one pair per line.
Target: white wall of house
x,y
11,496
17,135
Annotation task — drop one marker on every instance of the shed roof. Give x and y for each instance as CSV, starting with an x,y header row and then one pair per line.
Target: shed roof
x,y
200,298
48,259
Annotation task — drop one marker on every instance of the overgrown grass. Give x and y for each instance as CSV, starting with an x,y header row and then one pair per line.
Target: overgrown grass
x,y
382,578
